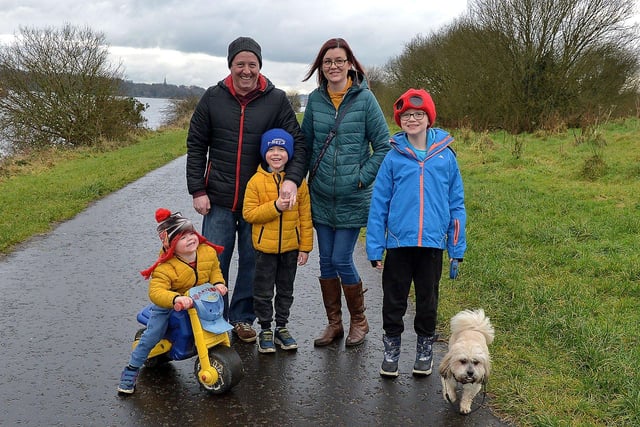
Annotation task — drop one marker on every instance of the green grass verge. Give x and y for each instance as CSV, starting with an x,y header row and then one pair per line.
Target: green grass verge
x,y
33,201
553,258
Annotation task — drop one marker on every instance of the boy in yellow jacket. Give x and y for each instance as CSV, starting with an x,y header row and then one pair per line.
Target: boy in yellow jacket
x,y
282,236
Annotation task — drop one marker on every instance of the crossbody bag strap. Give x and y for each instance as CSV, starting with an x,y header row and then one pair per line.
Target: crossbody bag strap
x,y
330,136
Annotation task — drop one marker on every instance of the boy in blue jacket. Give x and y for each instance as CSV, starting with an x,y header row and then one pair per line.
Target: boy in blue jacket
x,y
417,211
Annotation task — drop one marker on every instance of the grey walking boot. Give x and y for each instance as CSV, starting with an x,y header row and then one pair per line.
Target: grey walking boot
x,y
391,356
424,355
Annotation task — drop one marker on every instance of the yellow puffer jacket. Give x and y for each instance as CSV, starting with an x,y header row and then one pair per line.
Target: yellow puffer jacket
x,y
175,277
273,231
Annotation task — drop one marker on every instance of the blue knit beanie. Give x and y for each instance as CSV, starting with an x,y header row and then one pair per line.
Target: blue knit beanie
x,y
276,137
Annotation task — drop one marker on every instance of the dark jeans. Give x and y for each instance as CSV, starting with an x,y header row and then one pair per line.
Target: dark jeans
x,y
278,269
423,267
336,247
220,226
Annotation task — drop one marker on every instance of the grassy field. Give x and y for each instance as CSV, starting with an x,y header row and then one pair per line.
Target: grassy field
x,y
553,257
37,193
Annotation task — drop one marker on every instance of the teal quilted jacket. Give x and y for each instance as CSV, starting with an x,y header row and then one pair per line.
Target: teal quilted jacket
x,y
341,188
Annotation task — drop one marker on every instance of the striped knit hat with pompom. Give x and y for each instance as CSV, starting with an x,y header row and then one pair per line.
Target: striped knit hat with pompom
x,y
171,226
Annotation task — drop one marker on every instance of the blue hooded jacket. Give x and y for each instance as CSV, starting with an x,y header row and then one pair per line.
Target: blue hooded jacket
x,y
418,203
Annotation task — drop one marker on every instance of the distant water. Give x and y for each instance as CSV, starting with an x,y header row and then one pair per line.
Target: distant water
x,y
155,112
155,115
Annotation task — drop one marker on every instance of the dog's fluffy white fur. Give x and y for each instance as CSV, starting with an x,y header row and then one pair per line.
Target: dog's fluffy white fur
x,y
467,361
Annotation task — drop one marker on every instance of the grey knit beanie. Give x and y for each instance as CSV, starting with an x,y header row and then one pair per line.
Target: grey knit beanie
x,y
244,44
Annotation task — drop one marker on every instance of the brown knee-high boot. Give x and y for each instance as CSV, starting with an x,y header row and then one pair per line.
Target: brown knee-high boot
x,y
332,298
359,326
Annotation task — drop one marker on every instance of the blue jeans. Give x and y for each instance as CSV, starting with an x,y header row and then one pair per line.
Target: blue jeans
x,y
336,248
220,226
156,328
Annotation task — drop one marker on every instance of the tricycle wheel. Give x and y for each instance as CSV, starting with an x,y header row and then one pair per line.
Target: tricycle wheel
x,y
228,364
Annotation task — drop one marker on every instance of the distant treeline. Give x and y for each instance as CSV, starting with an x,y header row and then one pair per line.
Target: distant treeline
x,y
159,90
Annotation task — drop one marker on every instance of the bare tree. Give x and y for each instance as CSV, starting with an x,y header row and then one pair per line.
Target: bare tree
x,y
179,111
58,86
524,64
377,79
563,57
294,100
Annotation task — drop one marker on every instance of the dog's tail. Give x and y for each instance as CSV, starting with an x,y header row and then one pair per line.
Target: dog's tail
x,y
474,320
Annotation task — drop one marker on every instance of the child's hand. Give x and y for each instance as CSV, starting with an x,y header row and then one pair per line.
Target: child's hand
x,y
221,288
377,264
182,303
302,258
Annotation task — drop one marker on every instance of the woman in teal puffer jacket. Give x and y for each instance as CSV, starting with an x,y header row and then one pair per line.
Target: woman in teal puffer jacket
x,y
341,178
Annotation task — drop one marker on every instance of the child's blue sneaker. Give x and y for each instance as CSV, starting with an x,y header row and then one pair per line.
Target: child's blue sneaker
x,y
128,380
265,342
285,340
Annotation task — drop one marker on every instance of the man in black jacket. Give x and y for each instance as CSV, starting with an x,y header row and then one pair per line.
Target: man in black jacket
x,y
223,152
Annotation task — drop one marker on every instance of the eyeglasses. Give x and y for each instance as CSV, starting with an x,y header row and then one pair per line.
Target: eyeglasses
x,y
327,63
418,115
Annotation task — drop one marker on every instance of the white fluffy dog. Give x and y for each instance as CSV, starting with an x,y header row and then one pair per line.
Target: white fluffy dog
x,y
467,361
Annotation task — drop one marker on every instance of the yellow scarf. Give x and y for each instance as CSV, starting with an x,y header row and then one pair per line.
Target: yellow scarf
x,y
336,97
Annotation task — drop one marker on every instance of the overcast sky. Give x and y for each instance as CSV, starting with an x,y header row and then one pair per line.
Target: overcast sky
x,y
185,41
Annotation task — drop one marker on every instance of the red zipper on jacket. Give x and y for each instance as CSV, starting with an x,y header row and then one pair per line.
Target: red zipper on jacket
x,y
435,149
262,85
421,204
238,158
456,231
421,215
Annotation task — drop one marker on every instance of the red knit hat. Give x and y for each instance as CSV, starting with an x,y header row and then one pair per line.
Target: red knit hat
x,y
170,227
418,99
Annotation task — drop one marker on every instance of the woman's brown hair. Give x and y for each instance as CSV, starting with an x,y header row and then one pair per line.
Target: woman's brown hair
x,y
332,44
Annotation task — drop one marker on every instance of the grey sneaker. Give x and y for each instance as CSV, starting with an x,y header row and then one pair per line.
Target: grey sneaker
x,y
391,356
424,355
244,331
285,340
265,342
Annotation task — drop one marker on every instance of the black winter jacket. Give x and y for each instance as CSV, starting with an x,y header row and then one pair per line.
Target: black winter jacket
x,y
223,143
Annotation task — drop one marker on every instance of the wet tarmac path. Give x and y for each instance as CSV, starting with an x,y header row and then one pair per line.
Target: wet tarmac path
x,y
69,304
